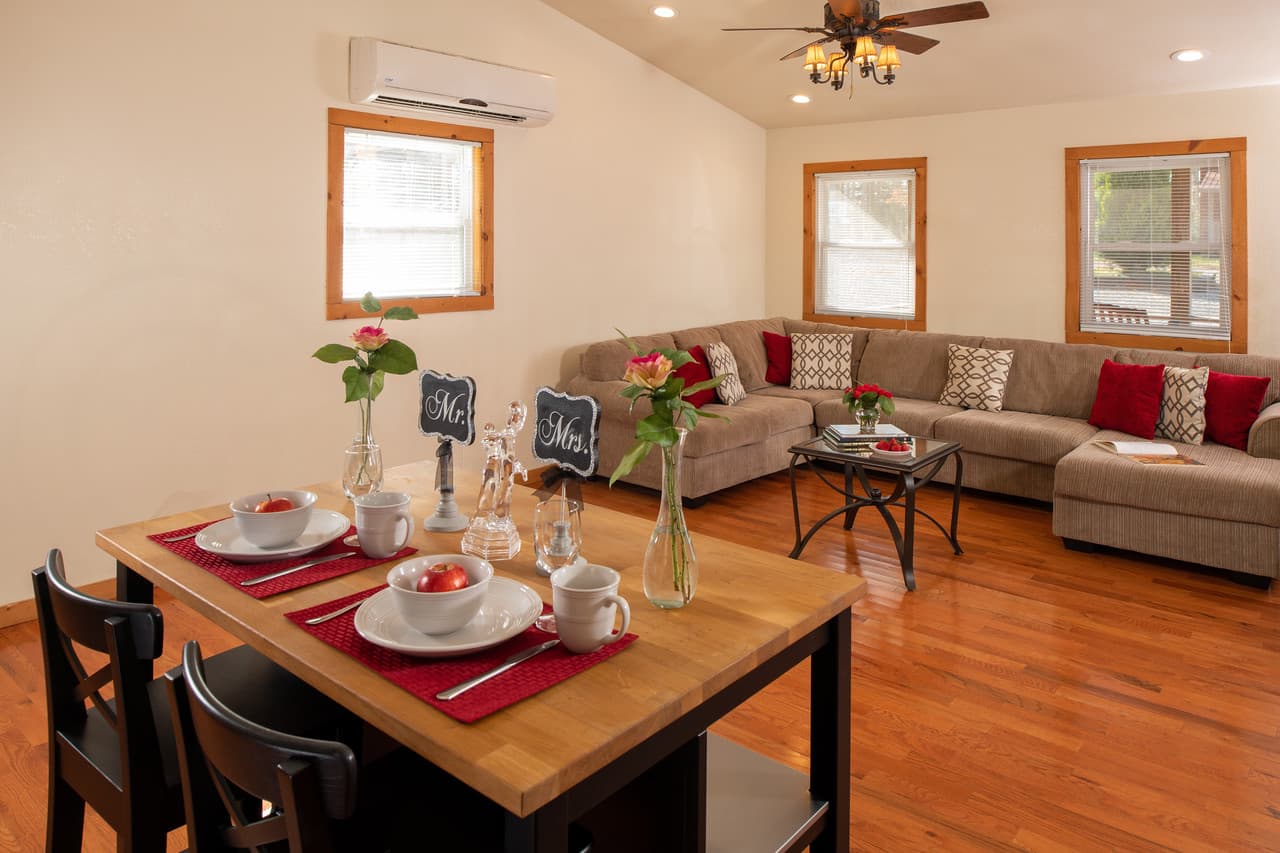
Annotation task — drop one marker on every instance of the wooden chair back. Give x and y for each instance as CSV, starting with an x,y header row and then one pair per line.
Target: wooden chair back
x,y
227,760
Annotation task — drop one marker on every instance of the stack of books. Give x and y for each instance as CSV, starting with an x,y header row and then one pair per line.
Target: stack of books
x,y
847,436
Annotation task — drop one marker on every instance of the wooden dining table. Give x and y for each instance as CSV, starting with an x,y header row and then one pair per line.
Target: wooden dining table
x,y
560,755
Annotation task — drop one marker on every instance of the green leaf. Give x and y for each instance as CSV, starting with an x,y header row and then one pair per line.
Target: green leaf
x,y
376,383
393,357
632,392
401,312
657,429
357,382
633,457
678,358
370,304
334,353
690,415
631,345
886,405
704,385
704,414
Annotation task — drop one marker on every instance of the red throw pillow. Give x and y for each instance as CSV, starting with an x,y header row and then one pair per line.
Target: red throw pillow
x,y
1231,405
777,349
697,371
1128,398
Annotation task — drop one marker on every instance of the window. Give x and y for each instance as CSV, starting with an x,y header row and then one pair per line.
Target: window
x,y
1156,239
410,214
864,243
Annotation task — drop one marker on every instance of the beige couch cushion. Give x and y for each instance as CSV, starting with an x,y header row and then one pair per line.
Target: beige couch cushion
x,y
607,360
745,339
1051,378
1230,485
699,336
1043,439
915,417
753,420
909,364
812,396
1169,358
1247,365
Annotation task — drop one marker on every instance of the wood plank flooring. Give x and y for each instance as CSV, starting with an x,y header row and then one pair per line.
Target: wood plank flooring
x,y
1024,698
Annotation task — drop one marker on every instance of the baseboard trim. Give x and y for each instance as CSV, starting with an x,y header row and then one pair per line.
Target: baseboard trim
x,y
17,612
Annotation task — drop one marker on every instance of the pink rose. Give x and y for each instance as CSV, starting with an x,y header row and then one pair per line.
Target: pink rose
x,y
648,371
369,338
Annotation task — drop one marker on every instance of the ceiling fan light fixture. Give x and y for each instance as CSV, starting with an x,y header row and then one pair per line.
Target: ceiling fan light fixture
x,y
839,65
888,61
864,53
664,11
1187,54
815,59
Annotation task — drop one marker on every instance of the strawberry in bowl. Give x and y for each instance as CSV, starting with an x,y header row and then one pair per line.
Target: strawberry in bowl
x,y
892,448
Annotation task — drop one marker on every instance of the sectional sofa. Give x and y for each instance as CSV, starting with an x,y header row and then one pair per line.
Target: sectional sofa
x,y
1225,513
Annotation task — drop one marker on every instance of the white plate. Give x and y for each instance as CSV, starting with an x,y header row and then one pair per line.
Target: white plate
x,y
509,608
223,538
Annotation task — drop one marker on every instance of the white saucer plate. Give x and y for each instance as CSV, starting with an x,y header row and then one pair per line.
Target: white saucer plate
x,y
223,538
509,608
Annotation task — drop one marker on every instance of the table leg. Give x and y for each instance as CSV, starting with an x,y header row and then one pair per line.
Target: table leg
x,y
955,502
131,586
851,513
544,831
829,734
907,555
795,507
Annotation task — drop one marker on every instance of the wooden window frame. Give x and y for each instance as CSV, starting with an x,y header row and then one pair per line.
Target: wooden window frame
x,y
920,166
1235,146
337,308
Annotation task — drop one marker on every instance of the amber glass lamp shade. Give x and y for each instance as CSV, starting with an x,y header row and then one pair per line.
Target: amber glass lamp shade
x,y
815,60
888,61
839,66
864,54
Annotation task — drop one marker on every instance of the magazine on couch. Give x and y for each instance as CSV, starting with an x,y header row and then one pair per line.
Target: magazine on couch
x,y
1148,452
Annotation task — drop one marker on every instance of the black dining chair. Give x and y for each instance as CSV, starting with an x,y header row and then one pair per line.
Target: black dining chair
x,y
118,754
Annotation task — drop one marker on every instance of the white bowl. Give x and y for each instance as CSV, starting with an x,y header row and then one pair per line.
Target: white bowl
x,y
895,455
273,529
438,612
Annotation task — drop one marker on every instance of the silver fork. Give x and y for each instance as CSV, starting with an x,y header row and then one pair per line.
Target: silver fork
x,y
346,608
180,538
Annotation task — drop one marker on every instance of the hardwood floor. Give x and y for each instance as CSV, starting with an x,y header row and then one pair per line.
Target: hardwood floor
x,y
1025,697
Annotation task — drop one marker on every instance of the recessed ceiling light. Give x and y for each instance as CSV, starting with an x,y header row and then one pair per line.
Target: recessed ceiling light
x,y
1189,54
800,99
664,11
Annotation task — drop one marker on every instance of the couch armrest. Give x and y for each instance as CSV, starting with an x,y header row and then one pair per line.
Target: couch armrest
x,y
1264,435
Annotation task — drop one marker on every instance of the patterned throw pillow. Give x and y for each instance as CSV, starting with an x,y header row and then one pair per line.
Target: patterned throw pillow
x,y
730,390
1182,405
976,378
821,361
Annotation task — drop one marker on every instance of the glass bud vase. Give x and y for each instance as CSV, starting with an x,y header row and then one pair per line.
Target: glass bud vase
x,y
362,468
868,419
670,567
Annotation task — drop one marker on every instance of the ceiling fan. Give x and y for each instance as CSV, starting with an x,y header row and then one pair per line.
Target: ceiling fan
x,y
867,41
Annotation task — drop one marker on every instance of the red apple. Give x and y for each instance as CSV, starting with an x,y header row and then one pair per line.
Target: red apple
x,y
443,577
274,505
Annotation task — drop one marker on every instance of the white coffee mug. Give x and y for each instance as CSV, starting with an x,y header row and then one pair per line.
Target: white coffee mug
x,y
585,599
379,517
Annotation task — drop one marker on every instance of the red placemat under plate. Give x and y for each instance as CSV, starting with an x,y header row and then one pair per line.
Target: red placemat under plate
x,y
234,573
424,677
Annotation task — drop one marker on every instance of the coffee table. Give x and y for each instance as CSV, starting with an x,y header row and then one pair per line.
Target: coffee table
x,y
911,473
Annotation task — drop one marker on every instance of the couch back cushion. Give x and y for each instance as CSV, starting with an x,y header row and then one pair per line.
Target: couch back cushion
x,y
860,337
608,359
1051,378
747,343
911,364
698,336
1169,358
1246,365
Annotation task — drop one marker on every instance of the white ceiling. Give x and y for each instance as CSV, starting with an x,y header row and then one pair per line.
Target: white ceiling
x,y
1027,52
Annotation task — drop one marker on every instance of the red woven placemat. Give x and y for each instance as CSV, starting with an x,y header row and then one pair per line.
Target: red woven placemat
x,y
233,573
425,677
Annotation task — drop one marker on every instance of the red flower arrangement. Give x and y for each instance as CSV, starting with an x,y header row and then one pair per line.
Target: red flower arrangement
x,y
868,397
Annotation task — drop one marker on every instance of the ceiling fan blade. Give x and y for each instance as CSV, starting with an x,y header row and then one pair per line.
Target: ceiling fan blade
x,y
910,42
939,15
800,51
773,30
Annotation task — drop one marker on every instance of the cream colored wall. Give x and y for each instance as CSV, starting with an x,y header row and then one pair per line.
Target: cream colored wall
x,y
162,220
996,201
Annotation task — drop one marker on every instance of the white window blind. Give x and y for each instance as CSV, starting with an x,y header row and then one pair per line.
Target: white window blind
x,y
407,211
1155,246
865,244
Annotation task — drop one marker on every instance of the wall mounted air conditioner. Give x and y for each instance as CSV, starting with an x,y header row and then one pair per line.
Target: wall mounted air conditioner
x,y
469,90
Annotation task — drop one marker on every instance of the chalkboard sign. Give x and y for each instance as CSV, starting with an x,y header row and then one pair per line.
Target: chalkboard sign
x,y
448,407
567,431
